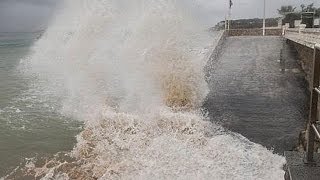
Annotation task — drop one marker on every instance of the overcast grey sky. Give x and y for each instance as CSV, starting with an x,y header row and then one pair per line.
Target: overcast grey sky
x,y
31,15
250,8
25,15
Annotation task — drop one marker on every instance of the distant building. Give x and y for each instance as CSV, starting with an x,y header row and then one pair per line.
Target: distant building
x,y
296,18
308,19
291,19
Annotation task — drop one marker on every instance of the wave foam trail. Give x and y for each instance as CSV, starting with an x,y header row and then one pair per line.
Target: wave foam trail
x,y
133,72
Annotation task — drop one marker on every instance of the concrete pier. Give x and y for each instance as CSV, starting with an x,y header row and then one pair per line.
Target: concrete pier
x,y
257,92
259,87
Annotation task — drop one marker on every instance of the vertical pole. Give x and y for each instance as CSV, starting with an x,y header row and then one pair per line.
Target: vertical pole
x,y
313,18
313,104
229,16
225,23
264,18
282,59
229,13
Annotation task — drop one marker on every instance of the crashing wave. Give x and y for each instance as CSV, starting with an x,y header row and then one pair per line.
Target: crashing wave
x,y
132,71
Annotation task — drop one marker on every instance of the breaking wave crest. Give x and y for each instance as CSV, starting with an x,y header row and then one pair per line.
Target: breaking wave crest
x,y
132,71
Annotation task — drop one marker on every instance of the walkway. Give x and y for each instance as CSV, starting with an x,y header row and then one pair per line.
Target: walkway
x,y
255,94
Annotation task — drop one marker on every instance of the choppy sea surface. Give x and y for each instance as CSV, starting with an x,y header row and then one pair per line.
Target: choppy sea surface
x,y
29,127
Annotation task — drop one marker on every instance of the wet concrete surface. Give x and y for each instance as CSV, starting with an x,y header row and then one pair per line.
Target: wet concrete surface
x,y
257,92
297,169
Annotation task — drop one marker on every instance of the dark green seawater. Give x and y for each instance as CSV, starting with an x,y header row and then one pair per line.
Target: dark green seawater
x,y
29,126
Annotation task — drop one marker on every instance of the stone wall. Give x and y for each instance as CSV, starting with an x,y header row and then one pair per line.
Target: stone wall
x,y
305,54
254,32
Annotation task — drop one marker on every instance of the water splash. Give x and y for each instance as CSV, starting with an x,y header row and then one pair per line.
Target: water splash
x,y
133,72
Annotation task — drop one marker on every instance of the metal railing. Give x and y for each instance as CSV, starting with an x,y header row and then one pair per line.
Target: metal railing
x,y
312,129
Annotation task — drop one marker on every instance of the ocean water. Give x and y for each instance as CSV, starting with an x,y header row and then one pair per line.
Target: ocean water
x,y
132,73
29,127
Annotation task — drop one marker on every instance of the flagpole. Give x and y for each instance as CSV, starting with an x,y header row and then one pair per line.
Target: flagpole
x,y
264,18
229,14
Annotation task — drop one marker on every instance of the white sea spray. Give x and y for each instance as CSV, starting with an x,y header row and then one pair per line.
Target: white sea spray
x,y
132,71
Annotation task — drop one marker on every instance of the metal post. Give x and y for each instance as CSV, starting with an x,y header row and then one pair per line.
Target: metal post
x,y
229,16
225,23
264,18
313,104
229,13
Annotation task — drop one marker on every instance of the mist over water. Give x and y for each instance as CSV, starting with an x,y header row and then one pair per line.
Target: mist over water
x,y
132,71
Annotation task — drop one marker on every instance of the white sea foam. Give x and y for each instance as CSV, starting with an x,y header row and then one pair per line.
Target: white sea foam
x,y
133,72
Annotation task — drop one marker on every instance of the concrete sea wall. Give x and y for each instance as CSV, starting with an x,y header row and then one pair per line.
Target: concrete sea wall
x,y
305,54
254,32
218,46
